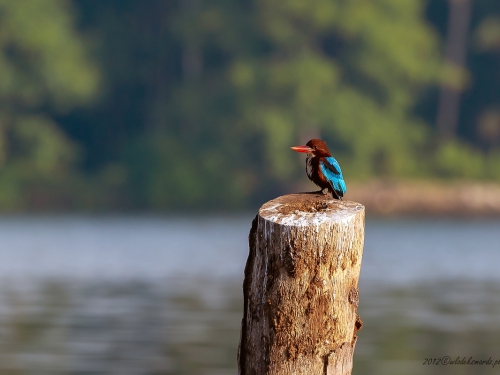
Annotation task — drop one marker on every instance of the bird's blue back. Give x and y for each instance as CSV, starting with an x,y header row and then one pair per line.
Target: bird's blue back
x,y
332,172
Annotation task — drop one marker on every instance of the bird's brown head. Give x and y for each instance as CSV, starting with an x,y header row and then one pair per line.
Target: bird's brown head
x,y
317,147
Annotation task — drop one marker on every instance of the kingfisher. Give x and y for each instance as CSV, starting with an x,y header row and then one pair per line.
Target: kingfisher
x,y
322,168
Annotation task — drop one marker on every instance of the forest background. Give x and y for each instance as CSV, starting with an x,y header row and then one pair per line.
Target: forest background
x,y
193,104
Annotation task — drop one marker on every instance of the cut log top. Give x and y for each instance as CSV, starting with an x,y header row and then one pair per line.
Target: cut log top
x,y
307,209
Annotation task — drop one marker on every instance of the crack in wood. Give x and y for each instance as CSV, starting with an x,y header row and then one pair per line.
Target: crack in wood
x,y
325,364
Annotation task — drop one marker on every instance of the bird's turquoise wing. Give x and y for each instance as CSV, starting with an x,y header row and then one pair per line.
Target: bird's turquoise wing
x,y
331,170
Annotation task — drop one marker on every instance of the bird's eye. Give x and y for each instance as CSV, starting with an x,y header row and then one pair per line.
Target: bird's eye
x,y
315,147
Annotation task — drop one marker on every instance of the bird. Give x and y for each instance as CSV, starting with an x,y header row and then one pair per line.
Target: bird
x,y
322,168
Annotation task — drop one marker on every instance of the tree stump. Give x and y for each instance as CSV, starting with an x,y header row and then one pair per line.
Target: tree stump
x,y
300,289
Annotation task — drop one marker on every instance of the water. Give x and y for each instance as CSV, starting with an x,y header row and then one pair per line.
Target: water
x,y
160,295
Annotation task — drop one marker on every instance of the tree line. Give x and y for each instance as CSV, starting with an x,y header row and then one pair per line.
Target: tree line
x,y
170,104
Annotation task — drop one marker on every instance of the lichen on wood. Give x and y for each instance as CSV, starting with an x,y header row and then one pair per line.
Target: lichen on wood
x,y
300,288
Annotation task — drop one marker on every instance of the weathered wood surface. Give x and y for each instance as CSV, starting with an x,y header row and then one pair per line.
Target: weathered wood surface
x,y
300,289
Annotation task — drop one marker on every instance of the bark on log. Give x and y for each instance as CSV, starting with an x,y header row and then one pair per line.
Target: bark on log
x,y
300,289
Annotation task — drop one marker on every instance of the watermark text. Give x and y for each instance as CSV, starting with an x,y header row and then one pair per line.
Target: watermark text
x,y
470,361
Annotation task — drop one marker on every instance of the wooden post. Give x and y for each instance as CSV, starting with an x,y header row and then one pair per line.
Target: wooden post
x,y
300,289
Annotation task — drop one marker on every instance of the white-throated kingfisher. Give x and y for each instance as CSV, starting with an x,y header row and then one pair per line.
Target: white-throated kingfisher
x,y
322,168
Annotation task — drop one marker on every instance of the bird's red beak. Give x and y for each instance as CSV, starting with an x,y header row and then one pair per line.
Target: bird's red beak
x,y
306,149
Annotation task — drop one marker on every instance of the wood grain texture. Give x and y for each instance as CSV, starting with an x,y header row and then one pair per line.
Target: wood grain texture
x,y
300,288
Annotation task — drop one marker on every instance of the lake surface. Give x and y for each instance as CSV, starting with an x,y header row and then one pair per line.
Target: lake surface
x,y
162,295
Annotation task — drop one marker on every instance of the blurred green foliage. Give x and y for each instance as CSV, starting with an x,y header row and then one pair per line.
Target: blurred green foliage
x,y
190,103
44,70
